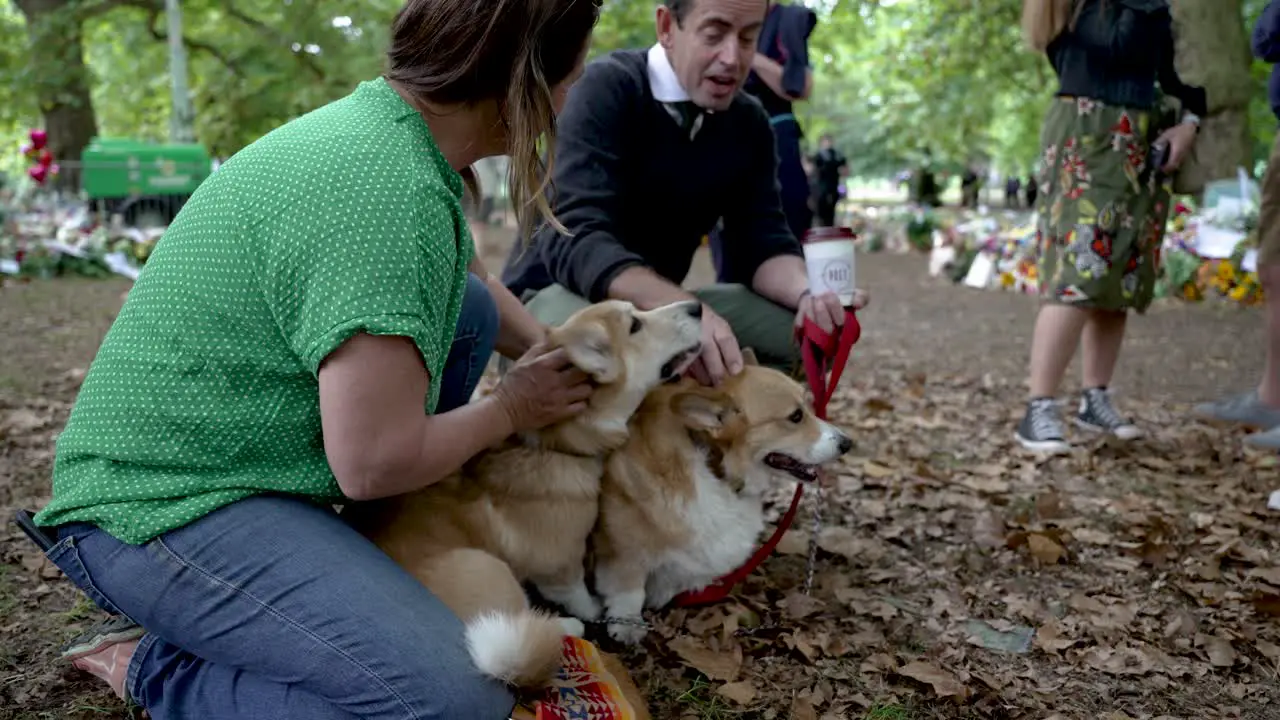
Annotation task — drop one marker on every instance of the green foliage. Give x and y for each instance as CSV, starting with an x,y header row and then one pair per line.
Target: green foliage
x,y
892,77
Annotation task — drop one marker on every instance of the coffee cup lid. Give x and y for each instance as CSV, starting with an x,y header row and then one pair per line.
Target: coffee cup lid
x,y
821,234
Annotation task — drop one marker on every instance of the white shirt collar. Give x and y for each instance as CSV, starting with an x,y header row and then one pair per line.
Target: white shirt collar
x,y
663,82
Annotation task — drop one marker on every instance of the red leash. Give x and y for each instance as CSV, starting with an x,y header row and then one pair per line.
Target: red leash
x,y
825,355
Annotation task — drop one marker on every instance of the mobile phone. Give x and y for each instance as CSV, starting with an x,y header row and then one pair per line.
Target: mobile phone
x,y
1160,153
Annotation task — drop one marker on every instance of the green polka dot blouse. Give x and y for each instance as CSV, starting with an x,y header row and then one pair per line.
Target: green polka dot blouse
x,y
204,392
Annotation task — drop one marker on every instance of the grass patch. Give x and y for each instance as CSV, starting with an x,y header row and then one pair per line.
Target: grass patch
x,y
702,699
889,712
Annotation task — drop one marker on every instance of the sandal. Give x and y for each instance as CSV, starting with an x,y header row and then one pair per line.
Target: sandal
x,y
112,631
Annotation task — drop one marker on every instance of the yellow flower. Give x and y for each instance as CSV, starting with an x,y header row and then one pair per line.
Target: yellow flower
x,y
1239,293
1006,280
1191,292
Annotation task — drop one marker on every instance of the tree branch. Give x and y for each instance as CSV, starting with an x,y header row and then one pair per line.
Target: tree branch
x,y
153,18
267,31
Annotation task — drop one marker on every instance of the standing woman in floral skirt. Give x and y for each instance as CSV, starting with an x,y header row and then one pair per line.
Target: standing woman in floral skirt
x,y
1104,194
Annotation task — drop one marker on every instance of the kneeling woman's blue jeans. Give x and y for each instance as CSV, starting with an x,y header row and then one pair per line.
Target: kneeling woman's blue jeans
x,y
272,608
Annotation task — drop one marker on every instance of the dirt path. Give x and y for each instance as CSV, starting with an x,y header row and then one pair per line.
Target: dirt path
x,y
956,578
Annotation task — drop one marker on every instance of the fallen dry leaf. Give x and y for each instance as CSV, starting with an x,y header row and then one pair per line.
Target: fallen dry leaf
x,y
944,684
985,484
1051,639
1092,537
876,470
741,692
1270,575
798,605
1219,650
793,542
802,709
716,664
1045,550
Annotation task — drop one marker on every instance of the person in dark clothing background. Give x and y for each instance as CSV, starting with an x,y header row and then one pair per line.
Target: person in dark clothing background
x,y
1031,189
652,148
1012,188
969,184
829,165
780,75
1260,407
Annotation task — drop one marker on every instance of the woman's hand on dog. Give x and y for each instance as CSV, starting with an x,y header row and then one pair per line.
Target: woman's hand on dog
x,y
542,388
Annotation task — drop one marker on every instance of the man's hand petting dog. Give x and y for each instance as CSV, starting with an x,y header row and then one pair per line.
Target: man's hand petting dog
x,y
541,388
826,310
721,355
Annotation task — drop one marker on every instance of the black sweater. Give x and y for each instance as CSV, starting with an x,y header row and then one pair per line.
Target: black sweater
x,y
1117,52
633,189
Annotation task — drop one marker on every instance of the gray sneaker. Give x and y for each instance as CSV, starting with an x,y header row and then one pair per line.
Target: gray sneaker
x,y
1041,428
1097,414
1268,440
1246,409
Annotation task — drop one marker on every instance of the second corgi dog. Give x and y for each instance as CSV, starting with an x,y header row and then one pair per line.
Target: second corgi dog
x,y
682,502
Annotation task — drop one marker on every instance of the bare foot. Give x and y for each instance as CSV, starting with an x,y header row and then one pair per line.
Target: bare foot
x,y
111,663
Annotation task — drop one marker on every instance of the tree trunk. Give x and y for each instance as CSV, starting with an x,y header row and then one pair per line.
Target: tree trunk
x,y
1213,52
55,33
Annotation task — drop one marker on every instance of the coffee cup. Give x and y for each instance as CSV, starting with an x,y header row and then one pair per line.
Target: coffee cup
x,y
830,258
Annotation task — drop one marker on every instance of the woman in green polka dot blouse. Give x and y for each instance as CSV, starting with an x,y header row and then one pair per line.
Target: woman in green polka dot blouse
x,y
275,357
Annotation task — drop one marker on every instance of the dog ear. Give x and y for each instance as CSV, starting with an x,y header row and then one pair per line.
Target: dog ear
x,y
591,351
749,357
704,409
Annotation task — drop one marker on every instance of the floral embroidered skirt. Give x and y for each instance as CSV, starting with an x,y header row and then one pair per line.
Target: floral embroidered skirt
x,y
1102,209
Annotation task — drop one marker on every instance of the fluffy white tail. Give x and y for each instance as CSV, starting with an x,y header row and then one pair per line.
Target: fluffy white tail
x,y
520,649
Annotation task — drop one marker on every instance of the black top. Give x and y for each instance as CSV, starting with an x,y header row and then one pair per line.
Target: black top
x,y
784,38
826,166
633,189
1266,47
1116,53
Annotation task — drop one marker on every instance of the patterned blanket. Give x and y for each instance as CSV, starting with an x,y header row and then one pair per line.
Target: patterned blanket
x,y
585,689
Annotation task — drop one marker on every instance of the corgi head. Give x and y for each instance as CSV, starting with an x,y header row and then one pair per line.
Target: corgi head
x,y
761,424
627,352
615,343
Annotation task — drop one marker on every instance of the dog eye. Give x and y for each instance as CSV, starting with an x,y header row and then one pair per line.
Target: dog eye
x,y
636,325
796,417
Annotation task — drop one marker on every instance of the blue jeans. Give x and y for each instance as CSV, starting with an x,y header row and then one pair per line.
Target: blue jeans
x,y
273,608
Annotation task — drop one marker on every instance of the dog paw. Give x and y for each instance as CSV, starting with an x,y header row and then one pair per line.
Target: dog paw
x,y
573,627
629,634
586,609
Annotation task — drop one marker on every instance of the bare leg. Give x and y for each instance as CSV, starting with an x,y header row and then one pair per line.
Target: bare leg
x,y
1103,334
1269,388
1057,334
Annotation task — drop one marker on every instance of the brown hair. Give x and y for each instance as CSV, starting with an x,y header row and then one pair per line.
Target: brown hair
x,y
461,52
1044,20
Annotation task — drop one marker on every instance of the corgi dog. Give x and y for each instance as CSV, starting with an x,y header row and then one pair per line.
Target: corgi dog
x,y
523,512
681,503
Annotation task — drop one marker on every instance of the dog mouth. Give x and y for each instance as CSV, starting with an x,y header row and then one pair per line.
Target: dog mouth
x,y
791,466
676,366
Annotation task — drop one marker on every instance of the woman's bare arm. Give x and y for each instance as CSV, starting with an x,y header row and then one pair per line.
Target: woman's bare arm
x,y
377,436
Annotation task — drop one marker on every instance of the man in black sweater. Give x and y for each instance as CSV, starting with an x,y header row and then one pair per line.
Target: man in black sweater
x,y
652,148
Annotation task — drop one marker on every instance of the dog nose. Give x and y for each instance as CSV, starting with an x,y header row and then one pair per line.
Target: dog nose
x,y
695,310
846,444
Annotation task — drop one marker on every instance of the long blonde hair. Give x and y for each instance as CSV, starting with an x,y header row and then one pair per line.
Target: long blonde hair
x,y
1044,20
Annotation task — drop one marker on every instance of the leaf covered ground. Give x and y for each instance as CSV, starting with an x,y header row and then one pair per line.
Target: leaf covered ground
x,y
957,577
